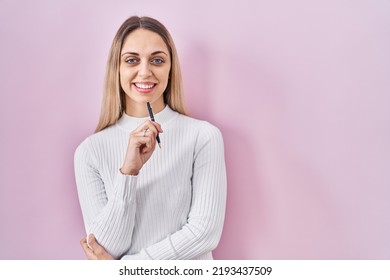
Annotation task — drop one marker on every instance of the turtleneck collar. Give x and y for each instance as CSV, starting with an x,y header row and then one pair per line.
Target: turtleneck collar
x,y
127,122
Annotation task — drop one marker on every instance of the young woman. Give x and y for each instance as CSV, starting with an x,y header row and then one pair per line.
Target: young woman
x,y
140,201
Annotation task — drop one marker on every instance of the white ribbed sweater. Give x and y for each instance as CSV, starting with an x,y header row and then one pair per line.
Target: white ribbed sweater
x,y
173,209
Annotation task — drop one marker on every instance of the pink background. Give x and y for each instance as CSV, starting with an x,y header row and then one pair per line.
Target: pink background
x,y
300,90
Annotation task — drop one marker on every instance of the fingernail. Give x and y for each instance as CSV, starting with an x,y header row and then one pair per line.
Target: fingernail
x,y
90,237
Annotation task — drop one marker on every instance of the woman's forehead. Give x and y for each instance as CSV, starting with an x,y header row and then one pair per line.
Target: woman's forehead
x,y
144,41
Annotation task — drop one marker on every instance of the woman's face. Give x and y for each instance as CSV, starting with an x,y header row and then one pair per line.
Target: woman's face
x,y
144,69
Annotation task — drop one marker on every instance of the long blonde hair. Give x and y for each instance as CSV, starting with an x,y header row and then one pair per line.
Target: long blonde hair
x,y
113,104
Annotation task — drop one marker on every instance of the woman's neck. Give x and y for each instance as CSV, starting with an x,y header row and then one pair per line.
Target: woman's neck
x,y
140,110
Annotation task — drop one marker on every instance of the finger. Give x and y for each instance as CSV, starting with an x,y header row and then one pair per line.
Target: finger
x,y
83,240
145,143
94,245
150,132
91,242
98,251
90,254
148,124
150,144
88,251
154,124
157,126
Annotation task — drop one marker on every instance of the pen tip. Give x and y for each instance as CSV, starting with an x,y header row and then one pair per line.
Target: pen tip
x,y
159,144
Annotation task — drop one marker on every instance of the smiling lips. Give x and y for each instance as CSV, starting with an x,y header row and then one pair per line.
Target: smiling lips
x,y
144,87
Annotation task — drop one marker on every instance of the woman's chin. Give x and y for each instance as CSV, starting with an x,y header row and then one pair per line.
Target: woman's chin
x,y
144,98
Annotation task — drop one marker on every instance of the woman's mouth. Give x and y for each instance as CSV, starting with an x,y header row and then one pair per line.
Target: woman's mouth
x,y
145,87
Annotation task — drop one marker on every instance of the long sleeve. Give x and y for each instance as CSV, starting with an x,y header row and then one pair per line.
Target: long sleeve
x,y
109,218
202,232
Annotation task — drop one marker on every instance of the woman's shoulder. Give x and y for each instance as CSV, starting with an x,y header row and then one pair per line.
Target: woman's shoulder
x,y
98,139
204,129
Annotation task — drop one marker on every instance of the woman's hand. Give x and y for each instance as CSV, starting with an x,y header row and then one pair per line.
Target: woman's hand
x,y
94,251
141,145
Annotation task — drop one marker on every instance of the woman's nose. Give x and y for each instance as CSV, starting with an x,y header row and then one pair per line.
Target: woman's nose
x,y
144,70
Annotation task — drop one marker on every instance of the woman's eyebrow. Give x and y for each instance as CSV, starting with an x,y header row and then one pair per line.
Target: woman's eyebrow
x,y
132,53
158,52
137,54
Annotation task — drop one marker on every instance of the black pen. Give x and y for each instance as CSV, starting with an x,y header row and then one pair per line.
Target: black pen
x,y
152,118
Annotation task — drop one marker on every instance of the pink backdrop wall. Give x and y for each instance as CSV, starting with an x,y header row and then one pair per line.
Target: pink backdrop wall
x,y
300,90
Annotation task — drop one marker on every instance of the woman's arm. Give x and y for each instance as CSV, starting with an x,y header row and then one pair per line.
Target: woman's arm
x,y
110,220
202,232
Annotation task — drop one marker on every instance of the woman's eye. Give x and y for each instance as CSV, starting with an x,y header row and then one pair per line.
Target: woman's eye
x,y
131,60
157,61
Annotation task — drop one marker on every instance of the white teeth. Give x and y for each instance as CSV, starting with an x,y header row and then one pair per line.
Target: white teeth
x,y
144,86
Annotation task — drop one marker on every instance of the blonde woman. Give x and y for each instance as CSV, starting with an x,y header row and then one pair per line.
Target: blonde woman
x,y
140,201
